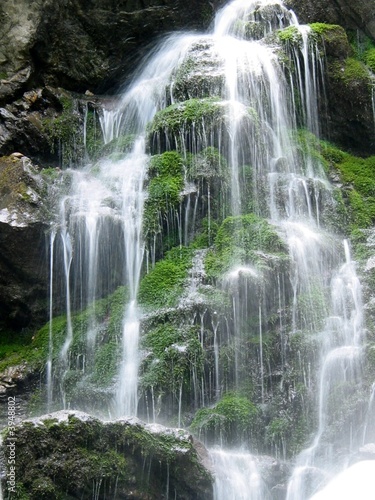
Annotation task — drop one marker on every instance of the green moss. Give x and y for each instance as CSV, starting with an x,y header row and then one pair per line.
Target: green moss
x,y
106,363
290,35
162,286
64,132
173,352
233,419
94,136
164,190
355,202
324,28
75,458
369,58
175,118
32,353
242,240
349,72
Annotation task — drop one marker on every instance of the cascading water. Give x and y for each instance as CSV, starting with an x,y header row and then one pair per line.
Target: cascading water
x,y
283,290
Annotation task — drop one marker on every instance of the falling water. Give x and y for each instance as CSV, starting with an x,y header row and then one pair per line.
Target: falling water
x,y
237,476
313,288
340,364
50,330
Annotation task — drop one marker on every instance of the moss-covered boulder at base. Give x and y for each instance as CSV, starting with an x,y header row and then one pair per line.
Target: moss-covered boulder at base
x,y
71,455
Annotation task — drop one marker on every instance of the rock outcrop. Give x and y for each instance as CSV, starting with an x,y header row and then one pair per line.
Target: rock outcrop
x,y
23,216
72,454
81,44
351,15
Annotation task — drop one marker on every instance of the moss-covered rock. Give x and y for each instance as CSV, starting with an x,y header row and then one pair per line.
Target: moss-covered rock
x,y
232,420
193,124
332,39
350,115
164,284
166,181
241,240
200,75
70,455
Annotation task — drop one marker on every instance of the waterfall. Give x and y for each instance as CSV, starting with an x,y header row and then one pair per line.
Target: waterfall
x,y
220,184
237,477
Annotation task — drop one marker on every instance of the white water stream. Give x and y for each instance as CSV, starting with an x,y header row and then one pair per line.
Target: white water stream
x,y
101,228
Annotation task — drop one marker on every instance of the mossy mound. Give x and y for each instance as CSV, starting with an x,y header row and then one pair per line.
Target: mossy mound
x,y
358,187
350,73
83,383
233,418
200,75
173,354
332,39
193,124
165,185
164,284
241,240
70,455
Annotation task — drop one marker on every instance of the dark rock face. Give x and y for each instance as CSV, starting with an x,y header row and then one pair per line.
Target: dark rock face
x,y
69,453
80,44
349,14
23,270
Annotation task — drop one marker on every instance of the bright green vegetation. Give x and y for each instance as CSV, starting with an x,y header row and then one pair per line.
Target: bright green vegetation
x,y
369,58
356,199
289,35
164,284
332,40
233,418
174,119
358,174
64,132
94,137
164,191
349,72
244,239
74,457
173,352
34,352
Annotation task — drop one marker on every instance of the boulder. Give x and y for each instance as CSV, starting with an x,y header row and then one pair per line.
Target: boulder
x,y
23,249
71,454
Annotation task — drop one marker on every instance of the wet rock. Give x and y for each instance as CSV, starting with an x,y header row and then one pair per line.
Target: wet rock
x,y
11,377
274,473
23,222
84,45
67,452
349,14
